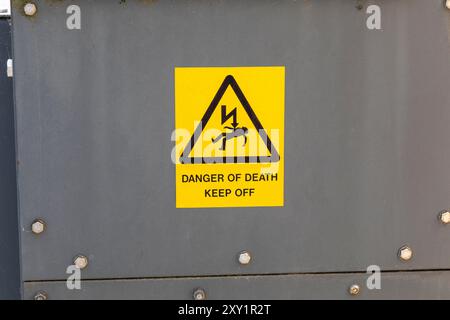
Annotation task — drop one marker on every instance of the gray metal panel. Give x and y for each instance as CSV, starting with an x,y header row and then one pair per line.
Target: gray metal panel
x,y
9,231
367,145
399,285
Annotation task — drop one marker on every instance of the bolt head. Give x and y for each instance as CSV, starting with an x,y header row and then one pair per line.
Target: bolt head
x,y
41,295
444,216
29,9
244,257
38,226
199,294
81,261
354,289
405,253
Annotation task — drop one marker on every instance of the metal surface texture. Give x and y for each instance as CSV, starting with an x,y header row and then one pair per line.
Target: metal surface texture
x,y
366,140
9,232
398,285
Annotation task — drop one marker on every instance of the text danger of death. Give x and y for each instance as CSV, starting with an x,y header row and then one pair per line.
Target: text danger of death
x,y
232,177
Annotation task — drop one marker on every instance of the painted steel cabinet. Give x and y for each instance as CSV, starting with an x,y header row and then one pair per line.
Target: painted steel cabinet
x,y
367,148
9,235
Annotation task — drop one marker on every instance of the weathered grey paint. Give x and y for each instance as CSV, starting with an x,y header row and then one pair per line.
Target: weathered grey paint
x,y
403,285
9,232
367,147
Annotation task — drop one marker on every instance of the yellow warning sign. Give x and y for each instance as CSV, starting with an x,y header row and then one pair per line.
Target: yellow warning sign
x,y
229,137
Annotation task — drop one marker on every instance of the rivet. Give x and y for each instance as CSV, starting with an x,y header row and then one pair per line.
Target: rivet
x,y
30,9
41,295
81,261
354,290
38,226
244,257
359,5
444,216
405,253
199,294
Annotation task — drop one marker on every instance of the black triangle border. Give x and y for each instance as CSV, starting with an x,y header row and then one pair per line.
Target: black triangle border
x,y
229,81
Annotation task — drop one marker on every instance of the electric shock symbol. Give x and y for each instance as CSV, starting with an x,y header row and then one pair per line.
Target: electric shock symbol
x,y
232,114
235,130
231,132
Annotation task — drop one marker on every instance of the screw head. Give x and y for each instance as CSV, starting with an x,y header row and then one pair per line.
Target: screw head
x,y
81,261
199,294
444,216
405,253
38,226
29,9
41,295
244,257
354,290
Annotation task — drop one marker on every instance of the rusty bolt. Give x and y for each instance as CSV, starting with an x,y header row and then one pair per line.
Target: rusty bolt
x,y
29,9
199,294
81,261
244,257
38,226
444,216
405,253
354,290
41,295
